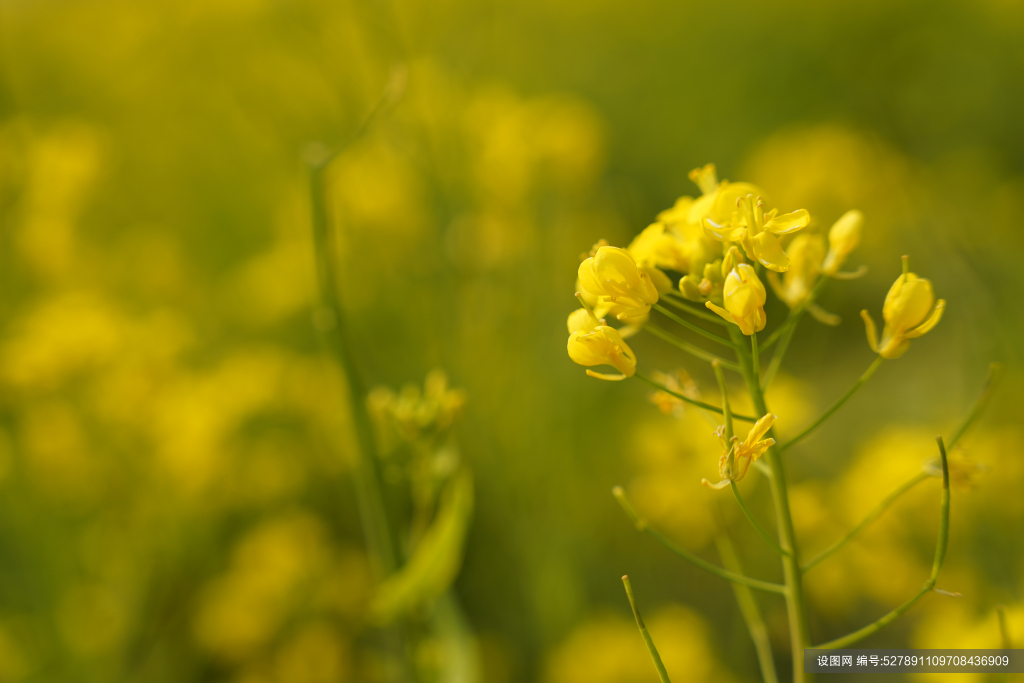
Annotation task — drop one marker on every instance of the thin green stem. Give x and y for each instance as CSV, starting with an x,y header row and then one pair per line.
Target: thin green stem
x,y
749,610
695,351
331,323
726,406
795,608
868,519
677,301
835,406
691,401
757,527
648,641
980,403
929,585
690,326
756,359
780,351
735,577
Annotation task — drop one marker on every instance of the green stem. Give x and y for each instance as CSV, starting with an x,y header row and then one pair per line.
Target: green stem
x,y
749,610
868,519
735,577
697,313
929,585
795,607
687,399
331,322
690,326
780,351
980,403
726,407
756,359
835,406
764,534
648,641
695,351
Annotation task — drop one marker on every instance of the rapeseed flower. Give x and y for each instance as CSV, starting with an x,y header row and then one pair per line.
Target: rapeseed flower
x,y
738,456
742,219
602,345
744,297
910,310
624,288
843,238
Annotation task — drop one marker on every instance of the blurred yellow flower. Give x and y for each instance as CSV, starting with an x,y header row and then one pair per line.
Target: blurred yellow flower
x,y
582,320
629,289
910,310
843,238
658,246
806,253
744,298
602,345
741,218
737,457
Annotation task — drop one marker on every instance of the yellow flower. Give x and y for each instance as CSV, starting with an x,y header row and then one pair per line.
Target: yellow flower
x,y
602,345
910,310
806,253
737,457
744,298
658,246
627,289
843,238
582,320
741,218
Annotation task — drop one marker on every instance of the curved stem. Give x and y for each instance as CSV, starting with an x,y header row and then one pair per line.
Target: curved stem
x,y
835,406
695,351
795,608
648,641
929,585
749,610
980,403
735,577
687,399
764,534
690,326
868,519
697,313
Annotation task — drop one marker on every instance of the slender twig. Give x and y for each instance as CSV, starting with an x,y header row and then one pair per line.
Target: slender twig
x,y
735,577
749,610
868,519
677,301
929,585
648,641
980,403
695,351
796,611
780,351
690,326
687,399
757,527
835,406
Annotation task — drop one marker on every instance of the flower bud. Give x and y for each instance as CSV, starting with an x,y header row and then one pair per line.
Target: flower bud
x,y
843,238
910,310
744,298
602,346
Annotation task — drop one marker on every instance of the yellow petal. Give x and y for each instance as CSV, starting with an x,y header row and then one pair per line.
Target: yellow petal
x,y
769,252
759,448
932,321
721,311
788,222
610,378
581,320
759,429
871,329
717,487
823,316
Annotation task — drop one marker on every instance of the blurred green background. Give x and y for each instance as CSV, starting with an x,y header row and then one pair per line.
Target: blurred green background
x,y
175,443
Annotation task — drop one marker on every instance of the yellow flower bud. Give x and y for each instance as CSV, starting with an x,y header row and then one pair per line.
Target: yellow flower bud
x,y
658,246
627,289
602,345
582,320
910,310
744,298
843,238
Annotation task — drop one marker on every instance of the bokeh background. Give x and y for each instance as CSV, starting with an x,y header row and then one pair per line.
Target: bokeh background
x,y
176,451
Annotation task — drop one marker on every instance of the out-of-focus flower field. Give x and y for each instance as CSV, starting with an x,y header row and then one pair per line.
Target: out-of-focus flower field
x,y
177,447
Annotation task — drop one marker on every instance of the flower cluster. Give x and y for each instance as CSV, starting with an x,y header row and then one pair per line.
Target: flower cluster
x,y
713,250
